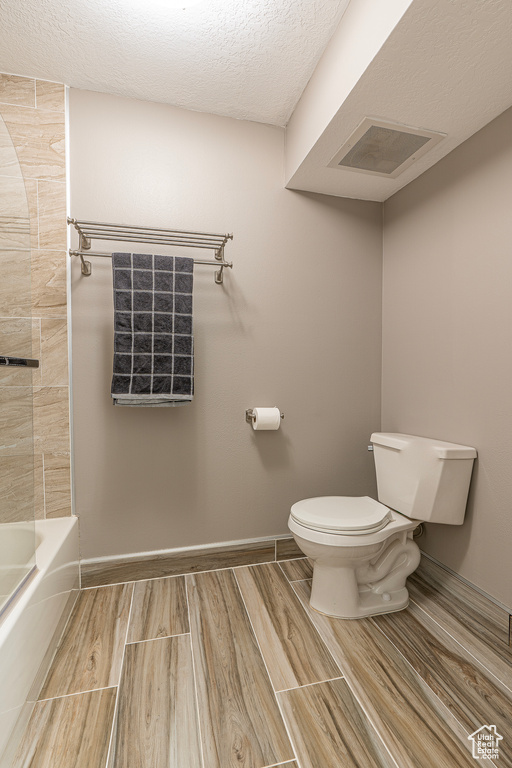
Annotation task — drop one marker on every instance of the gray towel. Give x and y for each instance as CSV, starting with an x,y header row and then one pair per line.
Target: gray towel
x,y
153,342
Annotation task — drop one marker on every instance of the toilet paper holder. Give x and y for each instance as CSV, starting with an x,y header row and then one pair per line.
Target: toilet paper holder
x,y
250,417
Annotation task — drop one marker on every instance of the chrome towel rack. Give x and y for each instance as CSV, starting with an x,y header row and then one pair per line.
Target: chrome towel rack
x,y
96,230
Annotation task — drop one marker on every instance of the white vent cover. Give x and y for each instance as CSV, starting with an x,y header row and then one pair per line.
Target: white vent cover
x,y
383,149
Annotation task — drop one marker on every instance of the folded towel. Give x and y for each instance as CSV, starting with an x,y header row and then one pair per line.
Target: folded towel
x,y
153,342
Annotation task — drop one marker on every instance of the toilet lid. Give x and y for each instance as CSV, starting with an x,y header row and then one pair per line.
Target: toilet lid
x,y
341,514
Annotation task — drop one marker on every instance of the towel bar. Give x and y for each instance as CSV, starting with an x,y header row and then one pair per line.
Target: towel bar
x,y
94,230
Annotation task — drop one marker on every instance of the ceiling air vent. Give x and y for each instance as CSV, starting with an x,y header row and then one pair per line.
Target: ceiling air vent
x,y
383,149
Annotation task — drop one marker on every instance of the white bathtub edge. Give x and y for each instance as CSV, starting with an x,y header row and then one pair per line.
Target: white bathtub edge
x,y
28,628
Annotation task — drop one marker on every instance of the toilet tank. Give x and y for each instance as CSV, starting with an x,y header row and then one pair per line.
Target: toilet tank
x,y
422,478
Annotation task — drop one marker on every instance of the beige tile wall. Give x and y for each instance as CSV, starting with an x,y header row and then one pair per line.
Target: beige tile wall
x,y
34,113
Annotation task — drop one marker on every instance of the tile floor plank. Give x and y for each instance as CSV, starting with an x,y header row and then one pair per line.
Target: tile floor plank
x,y
413,723
291,764
90,653
439,590
292,648
69,732
471,694
478,651
296,570
287,548
424,678
328,728
159,609
288,764
156,723
240,721
495,655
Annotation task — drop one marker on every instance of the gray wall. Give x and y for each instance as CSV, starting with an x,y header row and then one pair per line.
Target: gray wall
x,y
447,337
297,324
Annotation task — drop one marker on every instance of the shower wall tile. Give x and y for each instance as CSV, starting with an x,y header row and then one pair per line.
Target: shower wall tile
x,y
49,95
51,419
8,160
31,197
52,224
39,138
54,352
15,421
20,337
35,284
15,272
16,488
36,351
57,473
38,487
49,283
14,233
14,218
17,90
21,488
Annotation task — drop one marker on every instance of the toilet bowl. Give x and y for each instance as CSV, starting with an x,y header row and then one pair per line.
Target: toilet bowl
x,y
358,571
363,549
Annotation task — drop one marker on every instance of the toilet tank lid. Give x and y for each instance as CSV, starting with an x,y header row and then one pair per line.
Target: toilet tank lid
x,y
440,448
341,514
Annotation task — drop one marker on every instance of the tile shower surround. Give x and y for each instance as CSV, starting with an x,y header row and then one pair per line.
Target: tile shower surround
x,y
231,667
33,111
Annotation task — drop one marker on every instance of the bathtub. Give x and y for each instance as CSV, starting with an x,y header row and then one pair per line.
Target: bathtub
x,y
30,627
17,560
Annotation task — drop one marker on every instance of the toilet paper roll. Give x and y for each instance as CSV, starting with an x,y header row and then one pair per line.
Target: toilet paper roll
x,y
266,418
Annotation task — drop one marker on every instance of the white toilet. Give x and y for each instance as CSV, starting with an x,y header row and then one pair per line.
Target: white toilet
x,y
362,549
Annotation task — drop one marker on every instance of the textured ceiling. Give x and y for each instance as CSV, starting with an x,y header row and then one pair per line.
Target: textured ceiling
x,y
248,59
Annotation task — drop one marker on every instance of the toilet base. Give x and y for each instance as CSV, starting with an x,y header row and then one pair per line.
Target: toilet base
x,y
369,604
359,576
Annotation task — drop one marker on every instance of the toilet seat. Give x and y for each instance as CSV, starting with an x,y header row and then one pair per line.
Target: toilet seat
x,y
346,515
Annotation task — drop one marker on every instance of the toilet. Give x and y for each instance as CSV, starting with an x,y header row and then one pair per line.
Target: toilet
x,y
362,549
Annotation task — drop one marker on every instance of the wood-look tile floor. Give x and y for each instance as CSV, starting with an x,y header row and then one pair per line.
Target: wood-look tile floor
x,y
232,669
